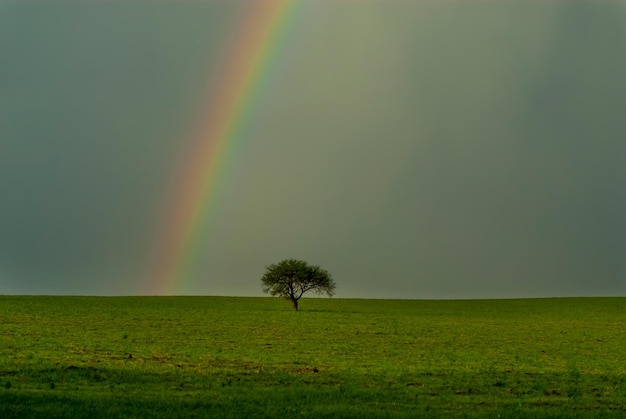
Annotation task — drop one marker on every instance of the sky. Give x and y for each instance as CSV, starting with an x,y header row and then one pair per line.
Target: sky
x,y
414,149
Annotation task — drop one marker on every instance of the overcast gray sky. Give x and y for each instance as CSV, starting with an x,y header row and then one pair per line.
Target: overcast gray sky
x,y
415,149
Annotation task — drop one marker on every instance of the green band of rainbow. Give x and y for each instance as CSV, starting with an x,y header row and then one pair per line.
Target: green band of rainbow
x,y
198,182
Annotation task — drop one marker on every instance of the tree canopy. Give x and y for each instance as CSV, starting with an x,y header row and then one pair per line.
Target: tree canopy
x,y
291,278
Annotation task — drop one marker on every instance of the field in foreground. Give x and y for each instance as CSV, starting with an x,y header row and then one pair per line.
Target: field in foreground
x,y
253,357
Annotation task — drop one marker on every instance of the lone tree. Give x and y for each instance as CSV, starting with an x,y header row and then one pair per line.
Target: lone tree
x,y
291,278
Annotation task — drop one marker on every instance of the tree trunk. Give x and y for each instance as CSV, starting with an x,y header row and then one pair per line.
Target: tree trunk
x,y
295,305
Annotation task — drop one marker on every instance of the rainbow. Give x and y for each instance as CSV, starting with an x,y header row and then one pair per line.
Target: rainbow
x,y
196,187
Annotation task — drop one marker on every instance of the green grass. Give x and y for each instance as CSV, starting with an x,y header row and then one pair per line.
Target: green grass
x,y
103,357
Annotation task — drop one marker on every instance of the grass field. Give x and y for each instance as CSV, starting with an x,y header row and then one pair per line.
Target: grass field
x,y
253,357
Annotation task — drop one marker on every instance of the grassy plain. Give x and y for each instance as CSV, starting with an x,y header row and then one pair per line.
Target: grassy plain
x,y
103,357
